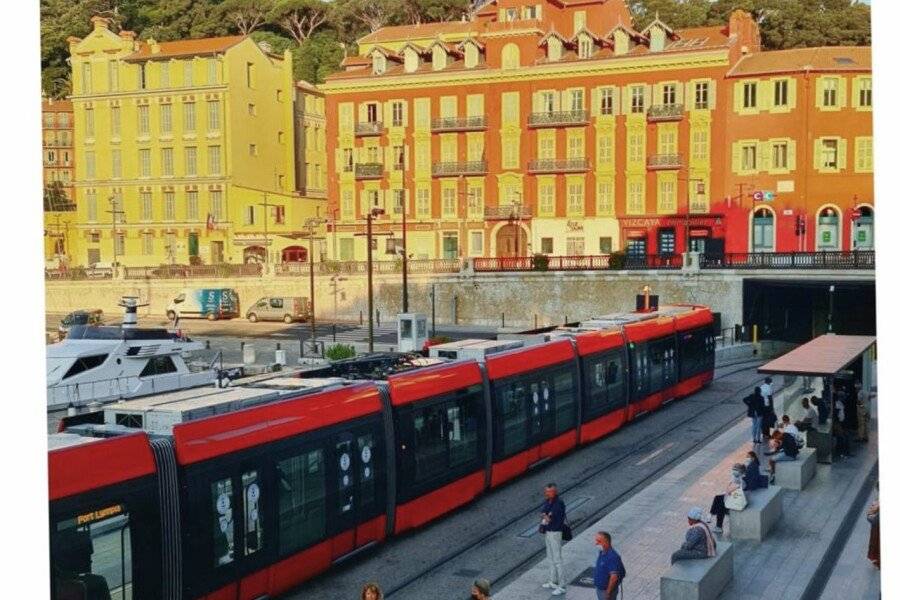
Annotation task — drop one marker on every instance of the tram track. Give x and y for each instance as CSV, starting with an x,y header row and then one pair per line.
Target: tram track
x,y
578,525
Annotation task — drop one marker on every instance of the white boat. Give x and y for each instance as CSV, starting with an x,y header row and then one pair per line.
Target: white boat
x,y
98,364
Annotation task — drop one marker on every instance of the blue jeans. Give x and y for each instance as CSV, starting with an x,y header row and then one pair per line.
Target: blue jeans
x,y
601,594
756,428
782,457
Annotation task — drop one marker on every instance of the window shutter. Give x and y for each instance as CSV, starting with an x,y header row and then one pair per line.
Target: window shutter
x,y
792,93
679,92
736,157
817,154
792,155
595,101
842,154
536,102
406,157
763,156
691,91
563,99
712,93
819,92
854,93
764,92
842,92
626,101
381,154
406,115
617,104
647,100
361,113
738,93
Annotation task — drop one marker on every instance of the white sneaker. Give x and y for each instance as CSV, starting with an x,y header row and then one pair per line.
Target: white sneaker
x,y
558,591
718,530
549,585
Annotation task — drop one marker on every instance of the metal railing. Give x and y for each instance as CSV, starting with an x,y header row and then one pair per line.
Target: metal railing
x,y
577,263
665,112
557,118
851,259
664,161
78,273
458,123
560,165
369,128
194,271
507,211
359,267
369,170
472,167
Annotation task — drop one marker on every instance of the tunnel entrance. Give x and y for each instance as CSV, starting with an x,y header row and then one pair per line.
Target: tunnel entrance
x,y
798,311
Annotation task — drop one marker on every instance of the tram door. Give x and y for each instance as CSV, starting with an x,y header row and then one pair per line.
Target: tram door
x,y
355,485
640,372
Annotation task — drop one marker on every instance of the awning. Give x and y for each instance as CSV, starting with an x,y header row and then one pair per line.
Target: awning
x,y
826,355
635,234
699,232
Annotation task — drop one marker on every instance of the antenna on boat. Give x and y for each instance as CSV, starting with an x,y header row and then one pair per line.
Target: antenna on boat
x,y
130,304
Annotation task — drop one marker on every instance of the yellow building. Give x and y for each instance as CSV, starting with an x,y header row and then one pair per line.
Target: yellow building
x,y
184,150
59,173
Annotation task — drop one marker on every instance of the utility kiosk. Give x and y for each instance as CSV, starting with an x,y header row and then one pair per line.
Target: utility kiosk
x,y
412,332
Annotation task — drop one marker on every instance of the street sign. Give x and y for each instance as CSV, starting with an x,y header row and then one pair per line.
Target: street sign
x,y
855,214
763,196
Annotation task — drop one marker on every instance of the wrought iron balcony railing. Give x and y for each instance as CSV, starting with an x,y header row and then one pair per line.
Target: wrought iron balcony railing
x,y
369,128
657,162
446,169
369,170
459,124
665,112
558,118
560,165
507,211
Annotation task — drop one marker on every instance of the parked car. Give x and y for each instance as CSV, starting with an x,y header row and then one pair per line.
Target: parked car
x,y
205,303
79,317
279,308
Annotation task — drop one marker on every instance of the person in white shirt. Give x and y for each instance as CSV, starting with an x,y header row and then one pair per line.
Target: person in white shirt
x,y
810,416
789,427
769,418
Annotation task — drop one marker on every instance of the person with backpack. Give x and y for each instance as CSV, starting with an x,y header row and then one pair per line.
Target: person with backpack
x,y
553,520
784,448
609,570
756,412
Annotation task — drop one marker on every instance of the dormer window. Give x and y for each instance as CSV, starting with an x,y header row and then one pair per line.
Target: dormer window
x,y
438,58
529,12
471,56
585,46
410,60
657,39
511,14
379,63
554,48
622,42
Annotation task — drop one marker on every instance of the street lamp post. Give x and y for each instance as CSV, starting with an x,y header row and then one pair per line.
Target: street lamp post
x,y
115,212
701,190
310,227
373,214
405,254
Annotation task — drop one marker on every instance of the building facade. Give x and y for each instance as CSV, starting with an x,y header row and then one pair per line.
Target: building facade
x,y
547,127
59,177
800,135
185,151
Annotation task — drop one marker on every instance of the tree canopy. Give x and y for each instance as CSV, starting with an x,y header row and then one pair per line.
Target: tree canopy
x,y
318,31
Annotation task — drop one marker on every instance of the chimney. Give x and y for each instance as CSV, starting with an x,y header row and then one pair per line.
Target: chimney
x,y
127,35
154,46
99,22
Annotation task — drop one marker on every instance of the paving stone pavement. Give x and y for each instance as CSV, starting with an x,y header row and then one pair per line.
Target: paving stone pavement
x,y
853,575
650,526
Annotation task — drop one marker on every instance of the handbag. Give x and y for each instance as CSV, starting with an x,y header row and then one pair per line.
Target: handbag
x,y
566,532
736,500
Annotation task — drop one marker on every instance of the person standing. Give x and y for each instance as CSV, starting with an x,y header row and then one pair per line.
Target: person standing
x,y
862,413
769,404
553,516
609,570
481,590
756,412
874,554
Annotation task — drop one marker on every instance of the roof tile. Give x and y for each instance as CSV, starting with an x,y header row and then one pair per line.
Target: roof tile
x,y
829,58
185,47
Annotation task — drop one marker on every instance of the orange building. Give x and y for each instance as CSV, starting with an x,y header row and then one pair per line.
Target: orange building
x,y
800,135
58,127
540,126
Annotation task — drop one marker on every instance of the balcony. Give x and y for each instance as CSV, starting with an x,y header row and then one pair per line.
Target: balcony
x,y
368,128
450,169
558,118
660,162
665,112
459,124
507,212
369,170
561,165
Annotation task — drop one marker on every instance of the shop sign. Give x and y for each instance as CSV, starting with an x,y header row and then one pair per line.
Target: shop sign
x,y
572,226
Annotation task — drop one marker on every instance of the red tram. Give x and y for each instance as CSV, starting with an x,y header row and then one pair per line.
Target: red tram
x,y
247,504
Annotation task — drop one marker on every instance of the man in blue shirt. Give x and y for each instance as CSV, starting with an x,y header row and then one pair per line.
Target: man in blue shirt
x,y
553,515
609,570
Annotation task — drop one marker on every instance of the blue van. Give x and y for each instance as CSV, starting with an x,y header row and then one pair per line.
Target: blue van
x,y
205,303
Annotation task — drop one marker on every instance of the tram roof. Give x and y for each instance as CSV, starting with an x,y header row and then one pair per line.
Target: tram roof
x,y
825,355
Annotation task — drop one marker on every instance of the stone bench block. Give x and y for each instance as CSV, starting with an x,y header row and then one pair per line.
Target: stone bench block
x,y
699,579
762,512
794,475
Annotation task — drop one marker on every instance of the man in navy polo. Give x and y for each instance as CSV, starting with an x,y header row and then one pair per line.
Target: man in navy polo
x,y
609,570
553,515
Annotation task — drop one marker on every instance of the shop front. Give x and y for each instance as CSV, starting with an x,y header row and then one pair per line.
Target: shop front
x,y
670,235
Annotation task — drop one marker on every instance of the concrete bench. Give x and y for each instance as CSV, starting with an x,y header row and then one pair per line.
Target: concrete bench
x,y
794,475
702,579
762,512
821,441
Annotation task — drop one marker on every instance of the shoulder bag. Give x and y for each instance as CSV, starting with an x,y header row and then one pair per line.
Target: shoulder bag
x,y
736,500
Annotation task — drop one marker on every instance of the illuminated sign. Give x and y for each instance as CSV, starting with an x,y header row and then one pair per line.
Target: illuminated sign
x,y
97,515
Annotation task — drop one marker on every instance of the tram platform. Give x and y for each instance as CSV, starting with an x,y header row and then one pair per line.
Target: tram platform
x,y
793,562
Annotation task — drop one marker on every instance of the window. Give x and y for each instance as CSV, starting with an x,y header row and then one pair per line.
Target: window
x,y
635,200
214,160
346,245
605,245
606,101
187,73
700,145
585,47
164,75
666,242
165,119
301,500
829,154
142,76
116,158
90,165
193,207
217,207
251,75
604,149
509,56
397,114
749,95
115,121
249,215
450,243
251,109
399,159
547,245
89,122
169,205
119,244
576,100
423,203
372,113
575,246
190,117
548,101
636,147
605,199
143,120
168,165
781,92
212,71
448,202
666,203
85,363
112,71
399,202
222,526
668,94
86,78
190,161
212,115
144,161
829,91
379,64
637,99
576,144
147,243
748,157
146,206
603,384
547,198
476,243
158,365
91,206
779,155
251,149
510,101
575,197
529,12
864,161
865,92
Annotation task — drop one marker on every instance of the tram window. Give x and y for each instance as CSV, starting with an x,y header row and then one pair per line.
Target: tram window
x,y
91,556
85,363
463,434
253,533
158,365
223,522
565,400
614,381
514,418
301,500
365,447
345,474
